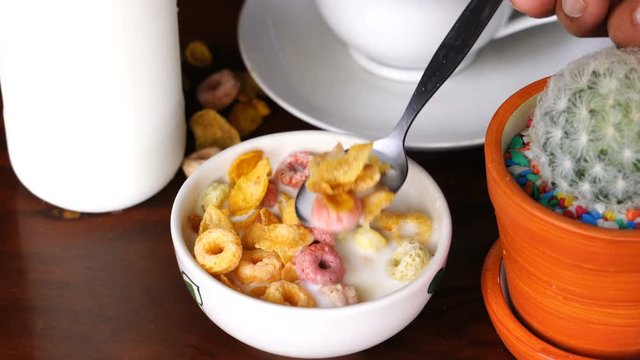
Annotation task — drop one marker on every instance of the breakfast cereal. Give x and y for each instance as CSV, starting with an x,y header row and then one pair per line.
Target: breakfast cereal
x,y
260,248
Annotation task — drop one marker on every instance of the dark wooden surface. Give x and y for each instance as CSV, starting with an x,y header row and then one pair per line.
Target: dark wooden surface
x,y
108,286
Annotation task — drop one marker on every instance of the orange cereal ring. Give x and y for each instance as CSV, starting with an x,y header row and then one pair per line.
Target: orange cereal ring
x,y
288,293
218,251
257,266
218,90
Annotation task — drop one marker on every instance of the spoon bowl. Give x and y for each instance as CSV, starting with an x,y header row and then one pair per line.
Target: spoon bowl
x,y
453,49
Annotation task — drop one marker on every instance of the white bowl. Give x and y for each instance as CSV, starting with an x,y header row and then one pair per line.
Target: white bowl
x,y
309,332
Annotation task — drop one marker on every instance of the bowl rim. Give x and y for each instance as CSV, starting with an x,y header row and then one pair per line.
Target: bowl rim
x,y
438,259
496,169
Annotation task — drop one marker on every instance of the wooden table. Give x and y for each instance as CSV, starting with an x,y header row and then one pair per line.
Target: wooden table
x,y
108,286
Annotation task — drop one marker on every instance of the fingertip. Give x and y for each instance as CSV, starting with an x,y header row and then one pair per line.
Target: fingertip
x,y
624,24
584,17
535,8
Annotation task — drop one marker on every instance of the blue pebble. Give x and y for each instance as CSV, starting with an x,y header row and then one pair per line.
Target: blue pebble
x,y
510,163
587,218
547,195
631,225
595,214
521,180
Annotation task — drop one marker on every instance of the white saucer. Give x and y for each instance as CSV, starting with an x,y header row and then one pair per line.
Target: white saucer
x,y
306,69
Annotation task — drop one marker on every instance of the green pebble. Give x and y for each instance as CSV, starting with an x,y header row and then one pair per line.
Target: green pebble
x,y
518,158
553,202
533,177
516,142
621,223
544,201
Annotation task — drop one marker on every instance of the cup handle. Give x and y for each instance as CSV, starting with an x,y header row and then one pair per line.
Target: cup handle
x,y
518,22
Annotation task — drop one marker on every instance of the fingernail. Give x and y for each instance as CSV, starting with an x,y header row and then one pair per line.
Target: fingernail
x,y
636,16
573,8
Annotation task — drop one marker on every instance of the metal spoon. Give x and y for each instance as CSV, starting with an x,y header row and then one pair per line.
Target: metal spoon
x,y
453,49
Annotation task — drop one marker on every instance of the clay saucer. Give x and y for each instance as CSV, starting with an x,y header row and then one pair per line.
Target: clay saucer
x,y
521,342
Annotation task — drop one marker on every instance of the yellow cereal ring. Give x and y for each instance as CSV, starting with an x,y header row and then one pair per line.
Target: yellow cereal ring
x,y
258,266
288,293
401,226
215,194
408,260
368,239
218,251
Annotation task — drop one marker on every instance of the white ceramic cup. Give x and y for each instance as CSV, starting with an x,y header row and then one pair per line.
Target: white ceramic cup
x,y
397,38
93,104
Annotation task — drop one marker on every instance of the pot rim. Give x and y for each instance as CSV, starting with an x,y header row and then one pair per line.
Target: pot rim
x,y
496,169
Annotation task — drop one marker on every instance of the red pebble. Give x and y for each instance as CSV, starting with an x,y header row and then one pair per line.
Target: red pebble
x,y
507,155
580,211
569,214
561,202
529,122
535,168
528,187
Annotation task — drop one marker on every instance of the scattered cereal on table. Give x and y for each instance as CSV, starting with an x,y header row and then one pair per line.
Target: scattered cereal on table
x,y
197,54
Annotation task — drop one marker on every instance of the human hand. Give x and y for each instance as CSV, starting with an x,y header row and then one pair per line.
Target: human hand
x,y
618,19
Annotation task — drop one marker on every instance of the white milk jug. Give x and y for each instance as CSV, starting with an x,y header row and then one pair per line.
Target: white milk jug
x,y
93,104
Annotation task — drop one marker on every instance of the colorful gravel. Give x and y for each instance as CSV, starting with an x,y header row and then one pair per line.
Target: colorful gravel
x,y
526,174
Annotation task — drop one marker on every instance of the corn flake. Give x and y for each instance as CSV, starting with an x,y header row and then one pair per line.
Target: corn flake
x,y
287,207
285,239
243,164
374,203
337,171
212,129
215,218
245,118
248,191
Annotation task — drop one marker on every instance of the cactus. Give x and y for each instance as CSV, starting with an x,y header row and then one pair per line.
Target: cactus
x,y
585,133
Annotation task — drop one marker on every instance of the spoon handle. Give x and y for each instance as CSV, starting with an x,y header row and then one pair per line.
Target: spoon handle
x,y
448,56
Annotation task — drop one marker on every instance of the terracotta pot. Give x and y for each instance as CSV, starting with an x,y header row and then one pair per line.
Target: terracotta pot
x,y
574,285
